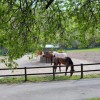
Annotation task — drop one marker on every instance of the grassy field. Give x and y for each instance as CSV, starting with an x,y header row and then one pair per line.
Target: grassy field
x,y
12,80
81,50
16,80
94,99
85,50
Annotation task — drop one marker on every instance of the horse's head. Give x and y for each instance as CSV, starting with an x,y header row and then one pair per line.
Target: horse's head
x,y
39,53
44,55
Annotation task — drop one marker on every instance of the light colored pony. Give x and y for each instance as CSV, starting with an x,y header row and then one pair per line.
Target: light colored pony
x,y
59,54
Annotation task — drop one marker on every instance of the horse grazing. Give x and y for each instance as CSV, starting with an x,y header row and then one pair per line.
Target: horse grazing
x,y
49,56
59,55
67,61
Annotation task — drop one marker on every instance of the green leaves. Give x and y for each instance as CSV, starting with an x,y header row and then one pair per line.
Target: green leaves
x,y
26,25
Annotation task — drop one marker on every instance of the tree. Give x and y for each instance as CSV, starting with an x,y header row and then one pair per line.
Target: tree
x,y
26,24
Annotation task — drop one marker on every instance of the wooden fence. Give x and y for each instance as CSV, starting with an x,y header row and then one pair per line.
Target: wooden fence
x,y
53,72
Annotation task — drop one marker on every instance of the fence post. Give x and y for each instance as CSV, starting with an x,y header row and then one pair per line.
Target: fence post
x,y
81,70
53,73
25,74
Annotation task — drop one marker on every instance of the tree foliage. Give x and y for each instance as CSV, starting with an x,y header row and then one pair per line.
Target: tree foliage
x,y
27,24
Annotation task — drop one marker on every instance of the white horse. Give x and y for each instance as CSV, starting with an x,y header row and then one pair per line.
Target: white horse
x,y
59,54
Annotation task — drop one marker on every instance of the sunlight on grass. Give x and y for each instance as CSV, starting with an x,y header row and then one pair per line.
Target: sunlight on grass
x,y
13,80
85,50
93,99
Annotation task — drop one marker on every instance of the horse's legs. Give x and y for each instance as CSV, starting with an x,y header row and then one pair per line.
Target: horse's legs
x,y
46,59
66,69
55,65
51,60
72,70
55,68
59,63
60,68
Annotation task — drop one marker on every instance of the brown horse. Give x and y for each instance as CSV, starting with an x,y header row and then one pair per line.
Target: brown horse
x,y
39,53
49,56
67,61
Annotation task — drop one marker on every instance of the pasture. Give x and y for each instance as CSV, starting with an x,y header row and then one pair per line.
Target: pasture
x,y
37,79
86,50
84,56
81,50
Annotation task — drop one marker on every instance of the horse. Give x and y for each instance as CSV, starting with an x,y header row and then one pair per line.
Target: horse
x,y
49,56
38,53
59,55
67,61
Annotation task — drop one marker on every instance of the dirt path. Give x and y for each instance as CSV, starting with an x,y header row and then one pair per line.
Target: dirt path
x,y
56,90
89,56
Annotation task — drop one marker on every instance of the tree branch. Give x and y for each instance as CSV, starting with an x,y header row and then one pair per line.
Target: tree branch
x,y
49,3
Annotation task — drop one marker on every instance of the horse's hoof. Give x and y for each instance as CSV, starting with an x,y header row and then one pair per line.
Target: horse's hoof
x,y
72,70
65,74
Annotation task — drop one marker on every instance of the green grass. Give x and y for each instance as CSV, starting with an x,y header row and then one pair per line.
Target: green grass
x,y
85,50
16,80
94,99
12,80
81,50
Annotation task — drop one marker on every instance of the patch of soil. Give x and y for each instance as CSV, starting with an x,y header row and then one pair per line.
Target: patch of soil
x,y
89,56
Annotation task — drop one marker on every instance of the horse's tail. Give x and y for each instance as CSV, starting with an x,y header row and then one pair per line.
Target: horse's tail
x,y
72,67
70,63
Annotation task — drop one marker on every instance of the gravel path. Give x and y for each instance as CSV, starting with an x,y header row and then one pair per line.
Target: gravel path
x,y
57,90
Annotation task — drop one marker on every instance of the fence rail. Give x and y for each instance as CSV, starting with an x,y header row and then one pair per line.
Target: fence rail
x,y
53,72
